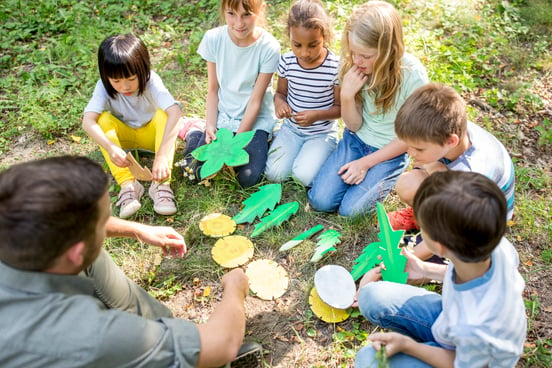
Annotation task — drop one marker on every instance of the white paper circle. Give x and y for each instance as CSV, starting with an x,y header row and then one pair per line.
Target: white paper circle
x,y
335,286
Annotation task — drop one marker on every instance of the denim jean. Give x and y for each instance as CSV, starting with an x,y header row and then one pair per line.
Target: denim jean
x,y
329,193
248,174
299,155
406,309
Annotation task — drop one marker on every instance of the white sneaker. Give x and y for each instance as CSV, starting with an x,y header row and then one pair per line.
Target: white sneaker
x,y
129,198
163,199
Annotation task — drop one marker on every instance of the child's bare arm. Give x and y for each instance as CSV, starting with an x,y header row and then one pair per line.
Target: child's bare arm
x,y
281,107
161,169
116,153
351,114
211,113
397,343
254,104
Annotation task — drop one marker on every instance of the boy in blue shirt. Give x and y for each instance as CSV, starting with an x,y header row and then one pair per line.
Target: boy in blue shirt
x,y
479,320
433,123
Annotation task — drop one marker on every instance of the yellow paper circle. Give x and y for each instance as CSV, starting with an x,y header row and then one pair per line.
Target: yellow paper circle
x,y
217,225
324,311
232,251
267,279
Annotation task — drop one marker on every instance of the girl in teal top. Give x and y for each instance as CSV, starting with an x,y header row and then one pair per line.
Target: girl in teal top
x,y
376,77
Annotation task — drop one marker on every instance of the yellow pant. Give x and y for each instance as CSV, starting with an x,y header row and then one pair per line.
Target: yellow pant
x,y
148,137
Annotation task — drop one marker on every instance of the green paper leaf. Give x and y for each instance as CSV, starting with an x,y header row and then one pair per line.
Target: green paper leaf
x,y
326,242
276,217
301,237
266,198
226,149
387,250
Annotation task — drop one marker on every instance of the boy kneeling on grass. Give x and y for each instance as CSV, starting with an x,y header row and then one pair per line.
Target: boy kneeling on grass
x,y
479,320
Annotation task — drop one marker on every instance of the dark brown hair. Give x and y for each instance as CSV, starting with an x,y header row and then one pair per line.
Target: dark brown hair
x,y
47,206
310,14
464,211
122,56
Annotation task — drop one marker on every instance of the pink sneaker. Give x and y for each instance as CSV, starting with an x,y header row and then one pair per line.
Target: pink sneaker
x,y
403,219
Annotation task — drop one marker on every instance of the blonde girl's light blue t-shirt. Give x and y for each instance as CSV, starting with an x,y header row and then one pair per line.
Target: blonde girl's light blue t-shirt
x,y
237,70
136,110
377,129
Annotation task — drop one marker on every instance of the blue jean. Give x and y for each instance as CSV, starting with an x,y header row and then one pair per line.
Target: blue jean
x,y
406,309
329,193
296,154
248,174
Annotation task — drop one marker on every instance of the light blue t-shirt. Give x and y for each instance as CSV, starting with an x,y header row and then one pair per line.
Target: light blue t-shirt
x,y
484,319
378,129
136,110
487,156
237,71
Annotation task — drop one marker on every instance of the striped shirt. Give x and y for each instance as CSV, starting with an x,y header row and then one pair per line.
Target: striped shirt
x,y
310,89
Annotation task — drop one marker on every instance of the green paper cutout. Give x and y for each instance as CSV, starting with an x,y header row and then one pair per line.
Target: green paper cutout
x,y
266,198
276,217
227,149
326,242
387,250
301,237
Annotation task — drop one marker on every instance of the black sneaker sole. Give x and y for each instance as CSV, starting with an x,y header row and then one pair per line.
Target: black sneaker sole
x,y
249,356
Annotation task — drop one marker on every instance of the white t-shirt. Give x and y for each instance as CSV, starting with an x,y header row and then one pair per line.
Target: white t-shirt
x,y
135,111
237,71
484,319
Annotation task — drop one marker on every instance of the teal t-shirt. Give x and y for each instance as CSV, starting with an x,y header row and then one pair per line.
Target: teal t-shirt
x,y
237,70
378,129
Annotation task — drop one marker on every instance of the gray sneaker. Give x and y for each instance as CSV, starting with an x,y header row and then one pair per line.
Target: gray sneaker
x,y
163,199
129,199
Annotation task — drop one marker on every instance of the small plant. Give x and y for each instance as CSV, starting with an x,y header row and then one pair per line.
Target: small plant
x,y
545,131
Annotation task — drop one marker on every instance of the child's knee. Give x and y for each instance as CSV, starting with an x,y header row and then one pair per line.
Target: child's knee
x,y
408,183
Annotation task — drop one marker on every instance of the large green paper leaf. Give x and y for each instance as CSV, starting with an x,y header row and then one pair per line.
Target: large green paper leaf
x,y
276,217
387,250
227,149
266,198
326,242
301,237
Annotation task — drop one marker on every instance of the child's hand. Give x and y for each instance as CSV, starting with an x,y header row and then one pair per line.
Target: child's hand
x,y
210,134
282,110
118,157
373,275
353,81
414,265
305,118
352,173
394,342
161,169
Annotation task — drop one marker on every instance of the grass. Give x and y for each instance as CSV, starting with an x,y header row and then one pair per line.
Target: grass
x,y
491,51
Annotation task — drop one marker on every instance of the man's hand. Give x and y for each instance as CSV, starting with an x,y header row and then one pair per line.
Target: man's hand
x,y
236,281
165,237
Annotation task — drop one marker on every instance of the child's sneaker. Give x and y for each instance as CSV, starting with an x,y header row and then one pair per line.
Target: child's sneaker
x,y
249,356
163,199
403,219
129,198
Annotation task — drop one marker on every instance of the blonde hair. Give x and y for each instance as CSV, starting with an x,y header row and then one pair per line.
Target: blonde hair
x,y
251,6
377,25
310,14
